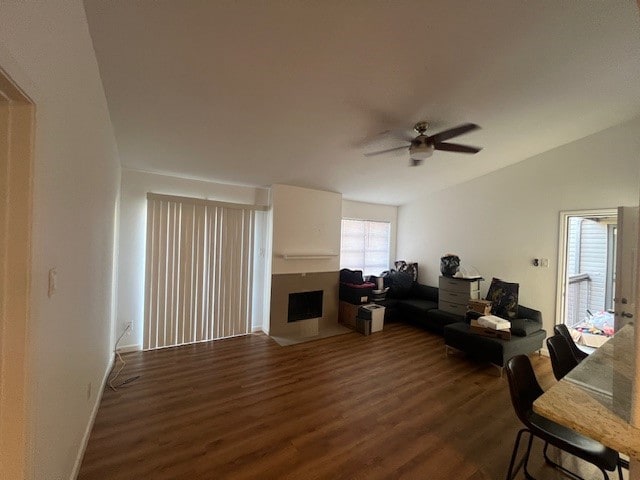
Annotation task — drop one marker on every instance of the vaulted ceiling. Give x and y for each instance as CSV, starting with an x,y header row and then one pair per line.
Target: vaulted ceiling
x,y
294,92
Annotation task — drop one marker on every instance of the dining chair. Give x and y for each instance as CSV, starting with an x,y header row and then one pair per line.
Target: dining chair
x,y
525,389
562,358
561,329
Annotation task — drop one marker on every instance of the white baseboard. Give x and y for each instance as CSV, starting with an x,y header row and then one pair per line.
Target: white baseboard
x,y
92,419
129,348
256,329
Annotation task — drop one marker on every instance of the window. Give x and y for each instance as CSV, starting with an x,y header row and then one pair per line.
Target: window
x,y
365,246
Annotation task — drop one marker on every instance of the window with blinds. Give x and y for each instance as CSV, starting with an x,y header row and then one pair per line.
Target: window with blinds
x,y
199,266
365,246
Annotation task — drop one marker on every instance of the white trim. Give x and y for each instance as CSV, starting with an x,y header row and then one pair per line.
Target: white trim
x,y
129,348
256,329
562,251
92,419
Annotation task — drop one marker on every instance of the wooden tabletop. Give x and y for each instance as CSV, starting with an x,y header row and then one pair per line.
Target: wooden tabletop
x,y
594,399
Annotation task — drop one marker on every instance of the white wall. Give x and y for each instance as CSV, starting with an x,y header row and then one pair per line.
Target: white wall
x,y
46,48
305,222
133,224
500,222
378,213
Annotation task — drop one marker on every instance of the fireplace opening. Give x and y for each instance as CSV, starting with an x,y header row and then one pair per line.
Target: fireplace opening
x,y
305,305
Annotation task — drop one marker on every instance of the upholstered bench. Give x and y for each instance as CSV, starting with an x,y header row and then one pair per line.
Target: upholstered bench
x,y
527,336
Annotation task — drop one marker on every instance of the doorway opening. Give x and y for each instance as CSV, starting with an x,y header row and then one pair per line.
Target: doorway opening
x,y
587,274
16,160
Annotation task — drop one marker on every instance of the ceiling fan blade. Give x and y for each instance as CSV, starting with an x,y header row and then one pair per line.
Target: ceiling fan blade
x,y
386,151
377,139
454,147
453,132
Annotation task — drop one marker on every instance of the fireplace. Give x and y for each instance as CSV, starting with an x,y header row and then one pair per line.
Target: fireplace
x,y
304,305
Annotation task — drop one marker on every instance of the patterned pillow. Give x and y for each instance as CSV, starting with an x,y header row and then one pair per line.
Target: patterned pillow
x,y
504,298
410,268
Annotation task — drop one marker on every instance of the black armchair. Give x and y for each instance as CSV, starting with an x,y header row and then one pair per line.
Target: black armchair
x,y
525,389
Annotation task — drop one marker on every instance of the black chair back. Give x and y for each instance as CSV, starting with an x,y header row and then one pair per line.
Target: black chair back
x,y
562,329
525,389
523,386
562,358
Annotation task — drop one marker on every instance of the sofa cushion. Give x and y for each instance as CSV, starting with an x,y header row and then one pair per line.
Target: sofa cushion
x,y
524,326
424,292
417,306
504,298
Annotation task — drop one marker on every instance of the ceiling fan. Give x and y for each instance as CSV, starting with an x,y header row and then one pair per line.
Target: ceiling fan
x,y
422,146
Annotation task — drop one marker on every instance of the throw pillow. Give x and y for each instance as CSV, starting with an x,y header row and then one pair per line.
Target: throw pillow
x,y
504,298
400,284
410,268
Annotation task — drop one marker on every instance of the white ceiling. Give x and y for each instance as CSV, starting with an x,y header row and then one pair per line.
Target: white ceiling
x,y
263,92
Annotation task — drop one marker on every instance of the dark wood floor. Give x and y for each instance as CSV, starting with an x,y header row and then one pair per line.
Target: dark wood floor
x,y
390,405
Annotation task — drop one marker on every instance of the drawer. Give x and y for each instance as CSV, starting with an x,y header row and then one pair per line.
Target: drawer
x,y
456,308
461,286
458,297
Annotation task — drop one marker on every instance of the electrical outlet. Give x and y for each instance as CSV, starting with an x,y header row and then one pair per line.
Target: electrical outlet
x,y
544,262
89,386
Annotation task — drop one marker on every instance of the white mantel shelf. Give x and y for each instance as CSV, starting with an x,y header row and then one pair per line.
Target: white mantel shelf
x,y
311,256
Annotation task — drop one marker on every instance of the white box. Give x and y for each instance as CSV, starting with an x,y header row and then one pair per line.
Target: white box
x,y
494,323
377,316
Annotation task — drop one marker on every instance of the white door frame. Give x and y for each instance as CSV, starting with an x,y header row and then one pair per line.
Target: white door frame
x,y
17,115
562,252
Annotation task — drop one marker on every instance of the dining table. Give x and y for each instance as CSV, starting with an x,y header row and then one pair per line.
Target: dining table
x,y
595,397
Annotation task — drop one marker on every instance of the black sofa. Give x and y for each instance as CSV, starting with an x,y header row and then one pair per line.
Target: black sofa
x,y
527,336
418,304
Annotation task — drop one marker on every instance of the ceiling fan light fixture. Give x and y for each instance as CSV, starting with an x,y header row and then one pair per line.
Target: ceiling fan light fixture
x,y
421,152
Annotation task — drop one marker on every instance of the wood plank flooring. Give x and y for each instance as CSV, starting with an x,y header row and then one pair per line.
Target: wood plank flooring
x,y
389,405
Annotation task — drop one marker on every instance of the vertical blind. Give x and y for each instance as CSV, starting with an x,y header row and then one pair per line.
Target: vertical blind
x,y
198,270
365,246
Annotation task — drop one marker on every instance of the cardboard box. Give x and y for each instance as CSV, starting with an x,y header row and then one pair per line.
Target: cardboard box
x,y
347,313
483,307
478,329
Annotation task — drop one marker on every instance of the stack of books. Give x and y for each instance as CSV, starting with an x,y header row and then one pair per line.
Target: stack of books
x,y
491,326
